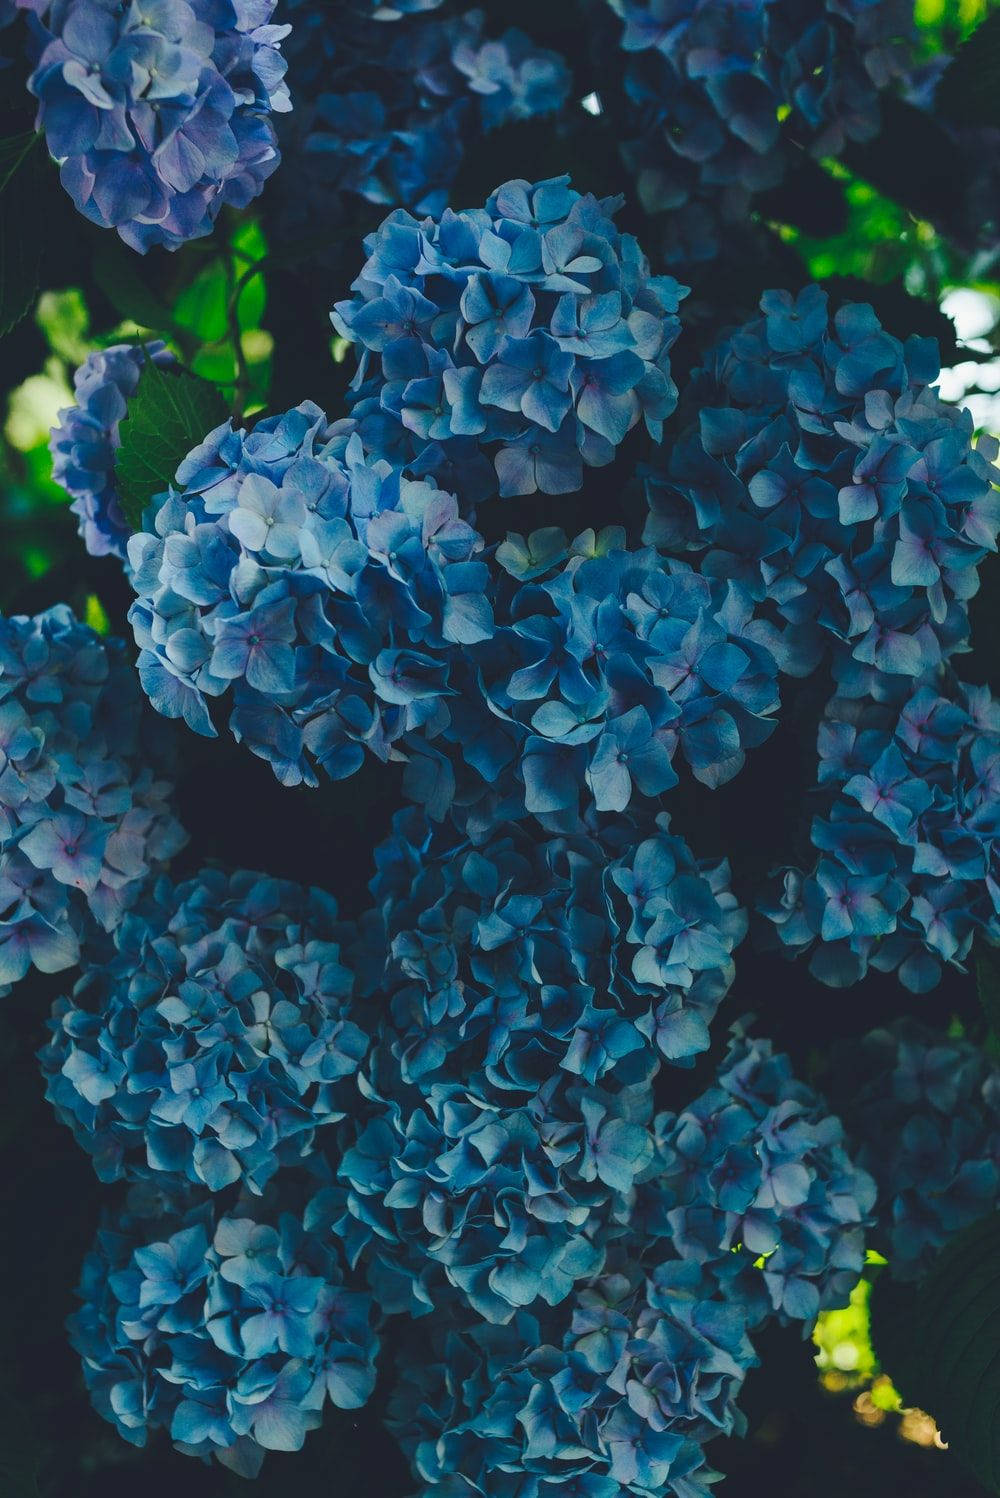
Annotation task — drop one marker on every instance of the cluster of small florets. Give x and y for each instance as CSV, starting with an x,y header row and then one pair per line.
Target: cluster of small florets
x,y
160,114
229,1331
531,326
389,114
754,1183
83,816
825,472
611,1399
709,86
215,1041
908,851
319,588
922,1111
84,443
606,664
592,955
506,1200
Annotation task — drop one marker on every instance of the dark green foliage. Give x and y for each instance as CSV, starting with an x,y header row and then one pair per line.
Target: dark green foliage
x,y
170,414
940,1344
969,90
22,228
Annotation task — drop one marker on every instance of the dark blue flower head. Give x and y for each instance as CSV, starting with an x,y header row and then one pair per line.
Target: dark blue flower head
x,y
709,84
825,472
160,115
216,1040
613,1396
321,592
906,841
604,667
755,1184
84,443
923,1111
512,961
389,114
84,817
532,325
229,1331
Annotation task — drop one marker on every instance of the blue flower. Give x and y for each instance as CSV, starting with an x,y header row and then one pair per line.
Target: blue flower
x,y
906,869
84,818
84,443
822,469
923,1111
159,119
544,317
215,1041
325,593
225,1331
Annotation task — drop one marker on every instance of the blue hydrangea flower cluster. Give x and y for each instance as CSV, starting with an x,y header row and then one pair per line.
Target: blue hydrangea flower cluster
x,y
348,609
906,841
160,115
614,1399
321,589
606,664
84,817
228,1330
84,444
215,1041
923,1114
755,1211
531,326
516,960
389,115
476,1194
755,1184
823,470
720,97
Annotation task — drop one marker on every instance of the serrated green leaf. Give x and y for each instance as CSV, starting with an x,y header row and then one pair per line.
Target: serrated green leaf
x,y
170,413
969,89
939,1342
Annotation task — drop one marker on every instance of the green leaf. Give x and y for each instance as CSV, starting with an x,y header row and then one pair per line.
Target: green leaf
x,y
22,226
118,272
939,1342
968,92
170,413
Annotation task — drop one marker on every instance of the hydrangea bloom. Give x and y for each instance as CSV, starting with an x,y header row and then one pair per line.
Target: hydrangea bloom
x,y
907,853
84,443
532,325
708,84
923,1110
826,473
230,1331
320,589
83,816
755,1184
605,664
216,1041
506,1200
520,959
613,1398
389,114
160,115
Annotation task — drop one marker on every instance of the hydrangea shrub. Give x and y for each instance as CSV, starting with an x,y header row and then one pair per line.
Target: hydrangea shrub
x,y
84,444
823,470
905,873
532,325
160,115
85,817
216,1041
229,1331
937,1097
